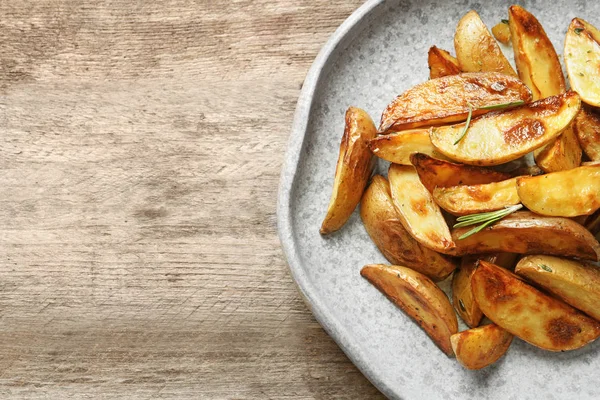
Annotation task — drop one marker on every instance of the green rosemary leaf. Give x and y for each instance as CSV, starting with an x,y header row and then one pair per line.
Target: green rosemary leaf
x,y
545,267
464,132
483,219
505,21
578,30
503,105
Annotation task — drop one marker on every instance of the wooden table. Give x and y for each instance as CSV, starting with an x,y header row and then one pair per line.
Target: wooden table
x,y
141,148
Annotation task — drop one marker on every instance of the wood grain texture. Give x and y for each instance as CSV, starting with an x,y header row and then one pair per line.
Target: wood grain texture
x,y
141,148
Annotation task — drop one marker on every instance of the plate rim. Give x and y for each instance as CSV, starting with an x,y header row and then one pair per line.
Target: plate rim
x,y
296,141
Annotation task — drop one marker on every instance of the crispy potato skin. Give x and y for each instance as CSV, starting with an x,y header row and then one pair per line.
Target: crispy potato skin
x,y
526,312
446,100
479,347
501,32
576,283
473,199
582,59
397,147
419,298
439,173
383,224
476,49
419,214
524,232
563,194
499,137
441,63
354,168
587,128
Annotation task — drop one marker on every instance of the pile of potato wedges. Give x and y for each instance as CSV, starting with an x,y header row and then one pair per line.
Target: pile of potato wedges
x,y
463,201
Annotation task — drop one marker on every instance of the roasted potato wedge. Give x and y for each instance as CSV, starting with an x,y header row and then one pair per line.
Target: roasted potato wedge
x,y
397,147
462,296
479,347
563,194
561,154
582,59
473,199
354,168
447,100
500,137
501,32
587,128
382,222
524,232
419,298
439,173
592,223
441,63
419,214
476,49
576,283
526,312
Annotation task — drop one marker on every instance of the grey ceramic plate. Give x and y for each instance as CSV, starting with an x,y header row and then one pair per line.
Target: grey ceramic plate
x,y
377,53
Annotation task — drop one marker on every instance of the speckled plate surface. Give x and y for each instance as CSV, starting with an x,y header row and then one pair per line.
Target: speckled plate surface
x,y
380,51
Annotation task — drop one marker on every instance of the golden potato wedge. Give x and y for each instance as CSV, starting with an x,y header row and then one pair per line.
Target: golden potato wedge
x,y
587,128
476,49
462,296
397,147
447,100
561,154
501,32
473,199
524,311
582,59
479,347
419,214
524,232
354,168
592,223
382,222
441,63
500,137
563,194
576,283
439,173
419,298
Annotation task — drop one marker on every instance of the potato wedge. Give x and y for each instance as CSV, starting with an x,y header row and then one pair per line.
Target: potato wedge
x,y
473,199
563,194
476,49
582,59
382,222
574,282
419,298
561,154
592,223
501,32
500,137
438,173
354,168
587,128
479,347
397,147
524,311
441,63
524,232
446,100
462,296
419,214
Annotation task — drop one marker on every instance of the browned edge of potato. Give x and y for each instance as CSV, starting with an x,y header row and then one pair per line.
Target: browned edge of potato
x,y
441,63
397,147
354,168
476,49
419,298
563,194
582,59
382,222
419,214
440,173
473,199
477,348
524,232
501,32
587,128
448,99
526,312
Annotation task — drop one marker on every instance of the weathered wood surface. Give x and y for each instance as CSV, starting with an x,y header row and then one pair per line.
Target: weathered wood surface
x,y
140,155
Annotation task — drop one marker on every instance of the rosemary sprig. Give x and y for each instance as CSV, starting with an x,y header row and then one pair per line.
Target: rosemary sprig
x,y
578,30
545,267
505,21
484,219
464,132
503,105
